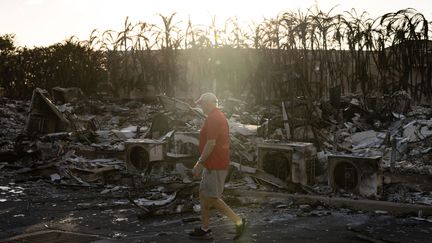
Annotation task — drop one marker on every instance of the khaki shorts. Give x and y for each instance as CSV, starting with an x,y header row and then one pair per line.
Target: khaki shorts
x,y
212,182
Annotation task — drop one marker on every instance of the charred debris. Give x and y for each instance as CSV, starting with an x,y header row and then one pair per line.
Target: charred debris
x,y
349,148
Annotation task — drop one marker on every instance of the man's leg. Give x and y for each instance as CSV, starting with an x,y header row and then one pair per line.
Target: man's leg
x,y
215,189
225,209
205,211
240,223
204,231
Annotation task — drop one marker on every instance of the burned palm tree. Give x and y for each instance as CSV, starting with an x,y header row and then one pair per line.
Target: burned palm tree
x,y
354,32
234,35
271,33
409,31
199,49
168,42
298,44
259,73
124,43
312,51
144,56
324,23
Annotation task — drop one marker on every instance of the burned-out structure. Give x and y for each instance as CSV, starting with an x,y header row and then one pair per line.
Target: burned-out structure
x,y
44,116
337,150
351,151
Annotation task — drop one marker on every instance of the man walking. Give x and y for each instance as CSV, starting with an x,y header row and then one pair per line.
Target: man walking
x,y
212,166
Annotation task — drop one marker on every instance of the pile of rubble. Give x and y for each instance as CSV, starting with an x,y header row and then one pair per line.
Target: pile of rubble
x,y
348,146
12,120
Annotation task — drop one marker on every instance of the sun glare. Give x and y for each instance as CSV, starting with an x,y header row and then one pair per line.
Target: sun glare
x,y
44,22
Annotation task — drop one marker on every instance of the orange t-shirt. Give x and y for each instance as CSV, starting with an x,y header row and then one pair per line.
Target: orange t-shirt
x,y
216,127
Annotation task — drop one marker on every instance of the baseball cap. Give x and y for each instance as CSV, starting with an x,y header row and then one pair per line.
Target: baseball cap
x,y
207,97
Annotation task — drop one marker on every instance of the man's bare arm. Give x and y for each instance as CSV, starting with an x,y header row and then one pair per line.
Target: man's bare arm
x,y
208,148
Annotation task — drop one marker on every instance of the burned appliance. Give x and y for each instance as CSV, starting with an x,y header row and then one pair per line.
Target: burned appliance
x,y
294,161
183,145
140,153
275,159
303,162
354,174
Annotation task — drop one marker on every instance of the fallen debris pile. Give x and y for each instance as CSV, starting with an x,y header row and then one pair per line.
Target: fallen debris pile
x,y
357,147
12,120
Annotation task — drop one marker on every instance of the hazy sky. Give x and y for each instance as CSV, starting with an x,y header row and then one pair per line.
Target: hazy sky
x,y
44,22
